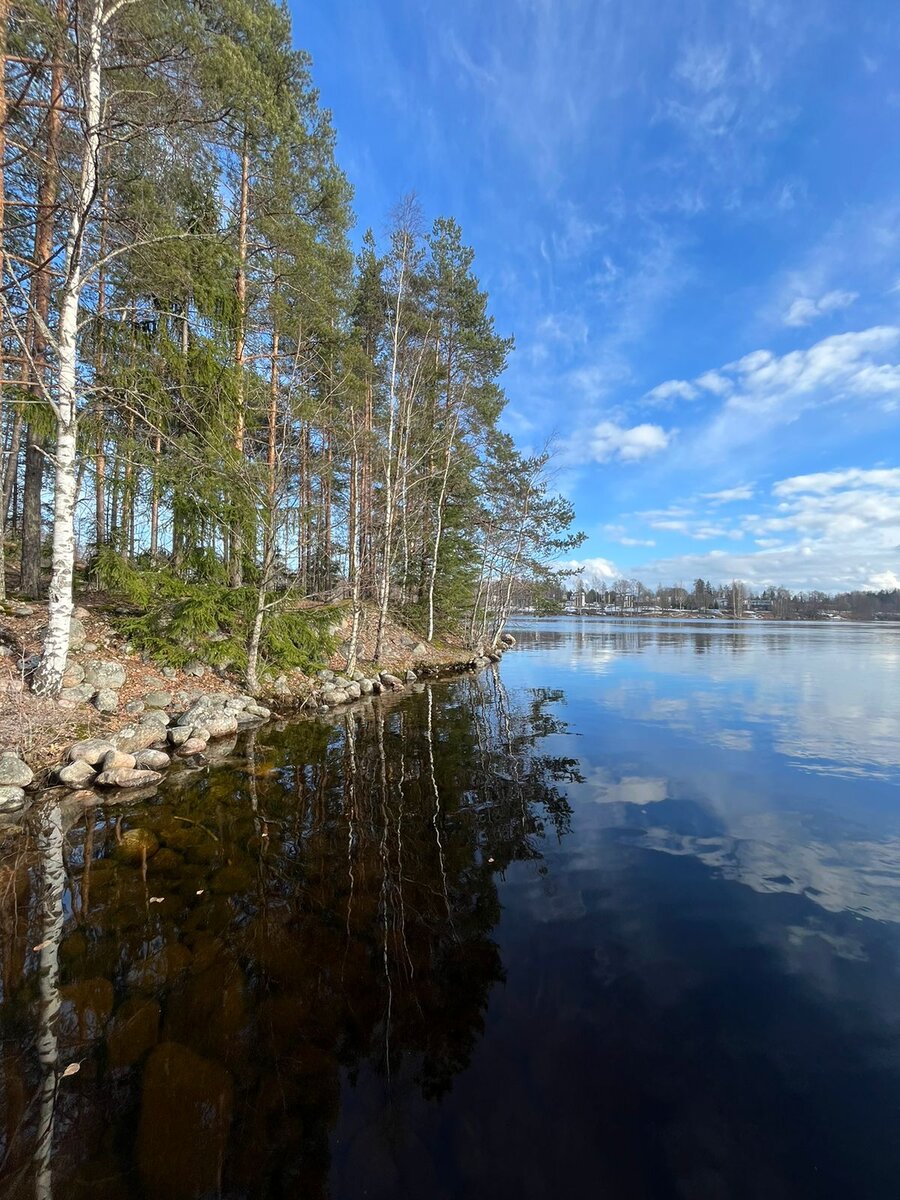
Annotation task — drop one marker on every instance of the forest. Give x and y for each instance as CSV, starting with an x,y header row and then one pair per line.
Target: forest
x,y
218,401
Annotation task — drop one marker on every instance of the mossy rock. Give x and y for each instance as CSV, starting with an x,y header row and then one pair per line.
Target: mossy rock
x,y
133,1031
136,845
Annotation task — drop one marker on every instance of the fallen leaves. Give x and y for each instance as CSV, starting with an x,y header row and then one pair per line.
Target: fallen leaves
x,y
72,1069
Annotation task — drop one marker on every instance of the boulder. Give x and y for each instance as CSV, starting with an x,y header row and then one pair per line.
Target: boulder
x,y
115,759
221,726
419,649
390,680
258,710
194,745
137,844
133,741
106,700
195,668
152,760
366,687
80,694
179,734
92,751
73,675
411,677
507,639
76,774
158,699
14,772
104,673
134,708
12,799
127,777
353,691
22,611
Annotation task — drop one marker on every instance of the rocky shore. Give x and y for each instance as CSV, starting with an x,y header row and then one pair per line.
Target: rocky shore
x,y
170,725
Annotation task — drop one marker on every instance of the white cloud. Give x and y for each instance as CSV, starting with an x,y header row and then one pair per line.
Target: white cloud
x,y
608,441
804,310
672,389
595,572
830,531
730,495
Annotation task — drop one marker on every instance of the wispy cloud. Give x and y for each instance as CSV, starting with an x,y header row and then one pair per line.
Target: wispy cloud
x,y
804,310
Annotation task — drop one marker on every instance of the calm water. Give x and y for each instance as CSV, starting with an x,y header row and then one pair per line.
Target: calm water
x,y
620,920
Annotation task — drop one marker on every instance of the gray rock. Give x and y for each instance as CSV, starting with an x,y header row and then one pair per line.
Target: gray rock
x,y
259,710
91,751
390,680
419,649
201,732
157,717
507,639
366,687
411,677
117,758
353,691
133,741
221,726
158,699
22,610
195,668
179,734
77,634
134,707
73,674
193,745
333,696
76,774
341,681
127,777
12,799
103,673
90,647
326,675
79,694
152,760
106,701
280,687
169,672
14,772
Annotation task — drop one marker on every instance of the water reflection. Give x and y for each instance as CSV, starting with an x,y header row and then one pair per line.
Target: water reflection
x,y
224,960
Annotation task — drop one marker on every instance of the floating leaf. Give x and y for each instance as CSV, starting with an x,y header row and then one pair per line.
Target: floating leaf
x,y
71,1069
200,891
157,899
41,945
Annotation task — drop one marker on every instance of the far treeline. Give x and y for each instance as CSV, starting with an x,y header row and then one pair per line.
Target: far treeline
x,y
734,599
209,403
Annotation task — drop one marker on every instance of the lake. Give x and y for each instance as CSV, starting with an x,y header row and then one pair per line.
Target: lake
x,y
618,918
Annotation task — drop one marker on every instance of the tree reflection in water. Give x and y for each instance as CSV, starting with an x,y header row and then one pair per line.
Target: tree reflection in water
x,y
320,903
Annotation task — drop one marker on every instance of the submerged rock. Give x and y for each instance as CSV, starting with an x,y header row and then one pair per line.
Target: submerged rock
x,y
133,1031
137,844
186,1109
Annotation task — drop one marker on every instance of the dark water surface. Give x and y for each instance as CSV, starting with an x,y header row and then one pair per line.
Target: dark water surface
x,y
620,920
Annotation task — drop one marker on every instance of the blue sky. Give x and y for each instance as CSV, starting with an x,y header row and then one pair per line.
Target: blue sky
x,y
689,217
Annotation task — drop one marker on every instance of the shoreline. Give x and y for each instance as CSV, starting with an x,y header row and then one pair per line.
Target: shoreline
x,y
130,762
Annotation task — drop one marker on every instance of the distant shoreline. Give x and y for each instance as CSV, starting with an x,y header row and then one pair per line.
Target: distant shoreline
x,y
756,618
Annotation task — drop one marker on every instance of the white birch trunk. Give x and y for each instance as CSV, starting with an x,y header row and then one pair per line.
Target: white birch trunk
x,y
48,679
